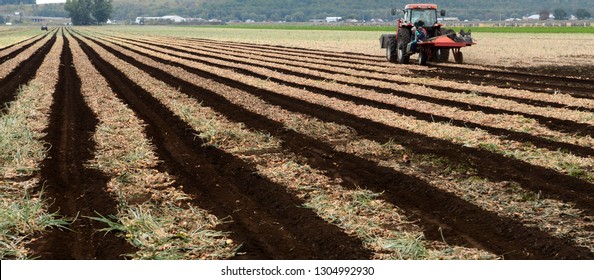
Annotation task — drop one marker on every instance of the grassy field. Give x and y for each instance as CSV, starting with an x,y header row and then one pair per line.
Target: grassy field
x,y
11,35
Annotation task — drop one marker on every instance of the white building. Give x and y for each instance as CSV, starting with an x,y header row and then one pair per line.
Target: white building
x,y
333,19
532,17
448,19
537,17
174,18
38,2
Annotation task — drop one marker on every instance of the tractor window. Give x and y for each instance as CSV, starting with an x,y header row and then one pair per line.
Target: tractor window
x,y
429,17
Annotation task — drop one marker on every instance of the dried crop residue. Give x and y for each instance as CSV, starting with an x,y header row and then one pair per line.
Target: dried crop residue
x,y
287,231
77,191
288,94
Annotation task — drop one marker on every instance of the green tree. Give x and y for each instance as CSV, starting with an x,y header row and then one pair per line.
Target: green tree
x,y
560,14
544,14
79,11
582,14
102,10
87,12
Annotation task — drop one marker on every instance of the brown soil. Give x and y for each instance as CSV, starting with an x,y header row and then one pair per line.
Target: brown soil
x,y
267,220
433,207
75,190
24,47
550,81
508,134
579,190
276,228
24,72
551,123
585,72
561,74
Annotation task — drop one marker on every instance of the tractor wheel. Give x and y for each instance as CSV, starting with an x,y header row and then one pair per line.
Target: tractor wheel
x,y
403,40
422,57
402,57
458,57
442,55
391,53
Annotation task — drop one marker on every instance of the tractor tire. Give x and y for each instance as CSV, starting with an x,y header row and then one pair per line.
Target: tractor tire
x,y
442,55
391,53
458,57
403,40
422,58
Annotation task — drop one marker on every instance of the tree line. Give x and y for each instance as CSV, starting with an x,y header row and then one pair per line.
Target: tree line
x,y
16,2
87,12
305,10
561,14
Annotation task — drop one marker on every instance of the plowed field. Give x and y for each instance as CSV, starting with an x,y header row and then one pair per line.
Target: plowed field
x,y
296,153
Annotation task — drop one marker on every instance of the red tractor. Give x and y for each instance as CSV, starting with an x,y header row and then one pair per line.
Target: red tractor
x,y
420,32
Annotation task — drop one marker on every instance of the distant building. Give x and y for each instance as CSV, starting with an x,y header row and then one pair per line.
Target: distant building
x,y
333,19
532,17
448,19
537,17
197,20
38,2
173,18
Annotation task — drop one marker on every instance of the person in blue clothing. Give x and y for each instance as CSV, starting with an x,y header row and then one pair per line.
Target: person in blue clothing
x,y
420,35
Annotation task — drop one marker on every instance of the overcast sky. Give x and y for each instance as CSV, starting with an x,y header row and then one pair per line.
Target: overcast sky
x,y
50,1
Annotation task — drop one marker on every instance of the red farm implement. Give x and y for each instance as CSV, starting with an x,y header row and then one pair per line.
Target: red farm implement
x,y
419,31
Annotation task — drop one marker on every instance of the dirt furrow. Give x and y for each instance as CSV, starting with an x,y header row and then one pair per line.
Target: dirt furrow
x,y
409,74
269,228
489,165
383,73
506,133
419,197
580,88
565,126
18,50
20,33
339,56
23,73
378,58
382,69
76,190
352,63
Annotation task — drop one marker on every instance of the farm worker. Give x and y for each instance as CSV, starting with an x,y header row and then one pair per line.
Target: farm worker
x,y
420,31
420,35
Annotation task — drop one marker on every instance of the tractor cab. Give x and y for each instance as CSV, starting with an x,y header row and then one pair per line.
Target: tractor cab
x,y
424,15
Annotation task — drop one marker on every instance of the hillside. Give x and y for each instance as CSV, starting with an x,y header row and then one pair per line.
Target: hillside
x,y
304,10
